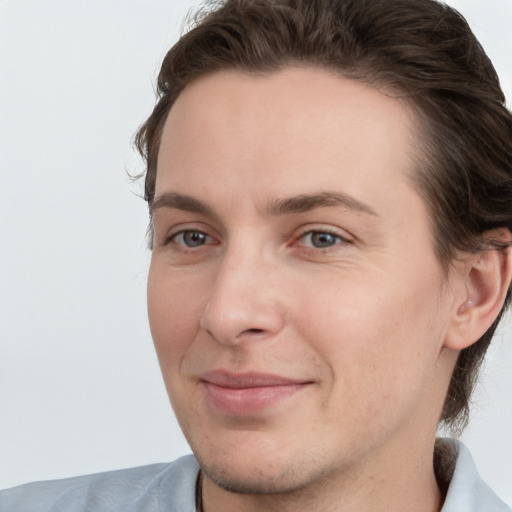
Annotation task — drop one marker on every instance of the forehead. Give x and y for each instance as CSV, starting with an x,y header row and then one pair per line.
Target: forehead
x,y
290,132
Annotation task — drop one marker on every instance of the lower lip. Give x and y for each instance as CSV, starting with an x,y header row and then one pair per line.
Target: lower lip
x,y
246,401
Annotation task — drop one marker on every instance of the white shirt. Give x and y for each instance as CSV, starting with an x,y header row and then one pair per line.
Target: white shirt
x,y
171,488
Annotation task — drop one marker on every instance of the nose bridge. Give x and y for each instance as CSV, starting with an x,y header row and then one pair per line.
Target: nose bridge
x,y
243,301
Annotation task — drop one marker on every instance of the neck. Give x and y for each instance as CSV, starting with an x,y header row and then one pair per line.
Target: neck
x,y
409,487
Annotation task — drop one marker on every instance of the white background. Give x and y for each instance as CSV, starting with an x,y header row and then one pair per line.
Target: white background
x,y
80,386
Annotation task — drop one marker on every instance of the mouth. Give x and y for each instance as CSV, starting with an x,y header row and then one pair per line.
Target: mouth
x,y
242,394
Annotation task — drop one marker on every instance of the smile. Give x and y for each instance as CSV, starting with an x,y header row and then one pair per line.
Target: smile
x,y
247,393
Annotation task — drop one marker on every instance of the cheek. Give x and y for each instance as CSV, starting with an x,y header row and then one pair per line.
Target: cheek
x,y
174,310
379,338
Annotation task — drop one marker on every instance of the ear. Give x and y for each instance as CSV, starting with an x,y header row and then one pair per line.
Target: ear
x,y
484,281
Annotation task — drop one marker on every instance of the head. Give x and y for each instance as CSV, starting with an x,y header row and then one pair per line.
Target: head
x,y
416,49
419,53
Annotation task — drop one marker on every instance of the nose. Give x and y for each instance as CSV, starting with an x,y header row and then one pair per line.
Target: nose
x,y
246,300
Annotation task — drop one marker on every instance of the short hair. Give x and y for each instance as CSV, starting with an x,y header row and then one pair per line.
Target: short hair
x,y
424,51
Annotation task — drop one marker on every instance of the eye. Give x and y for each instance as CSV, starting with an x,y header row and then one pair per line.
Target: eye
x,y
320,239
191,238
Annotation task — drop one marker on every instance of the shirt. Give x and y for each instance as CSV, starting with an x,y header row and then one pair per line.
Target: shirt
x,y
171,488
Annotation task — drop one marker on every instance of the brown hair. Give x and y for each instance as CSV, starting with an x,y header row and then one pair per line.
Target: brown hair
x,y
422,49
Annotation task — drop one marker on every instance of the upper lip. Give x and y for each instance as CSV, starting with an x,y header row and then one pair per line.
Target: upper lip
x,y
242,380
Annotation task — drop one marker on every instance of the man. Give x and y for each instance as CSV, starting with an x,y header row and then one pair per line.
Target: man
x,y
329,186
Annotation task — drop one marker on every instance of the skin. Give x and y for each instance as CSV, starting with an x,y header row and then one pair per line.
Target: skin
x,y
346,297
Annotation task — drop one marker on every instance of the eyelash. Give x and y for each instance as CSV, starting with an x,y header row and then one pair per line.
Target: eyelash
x,y
171,239
339,239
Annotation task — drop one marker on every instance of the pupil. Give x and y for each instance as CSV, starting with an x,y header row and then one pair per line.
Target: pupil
x,y
323,239
194,239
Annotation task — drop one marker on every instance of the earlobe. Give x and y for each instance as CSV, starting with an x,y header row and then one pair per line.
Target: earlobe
x,y
486,281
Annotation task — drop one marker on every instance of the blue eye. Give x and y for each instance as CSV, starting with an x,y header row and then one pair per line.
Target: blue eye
x,y
321,239
191,238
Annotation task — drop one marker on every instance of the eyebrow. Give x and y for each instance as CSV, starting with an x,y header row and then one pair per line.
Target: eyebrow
x,y
306,202
180,202
296,204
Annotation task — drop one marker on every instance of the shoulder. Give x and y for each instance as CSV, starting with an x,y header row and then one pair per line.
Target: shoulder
x,y
467,491
169,487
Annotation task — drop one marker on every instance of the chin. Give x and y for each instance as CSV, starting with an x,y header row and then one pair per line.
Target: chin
x,y
254,480
260,472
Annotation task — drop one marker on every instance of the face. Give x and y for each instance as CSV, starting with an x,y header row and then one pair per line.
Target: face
x,y
296,304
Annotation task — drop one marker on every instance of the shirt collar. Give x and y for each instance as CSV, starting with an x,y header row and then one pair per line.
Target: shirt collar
x,y
467,492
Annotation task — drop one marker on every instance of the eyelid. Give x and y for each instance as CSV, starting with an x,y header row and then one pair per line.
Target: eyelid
x,y
179,229
318,228
343,237
181,234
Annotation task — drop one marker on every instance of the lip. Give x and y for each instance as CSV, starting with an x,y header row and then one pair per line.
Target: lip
x,y
242,394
